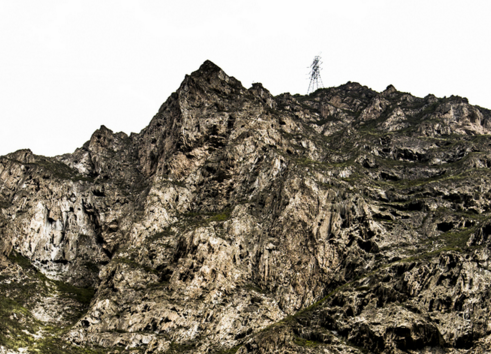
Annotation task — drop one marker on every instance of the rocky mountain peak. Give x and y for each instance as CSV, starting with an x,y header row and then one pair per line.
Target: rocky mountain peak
x,y
208,68
22,155
390,89
208,77
344,221
101,138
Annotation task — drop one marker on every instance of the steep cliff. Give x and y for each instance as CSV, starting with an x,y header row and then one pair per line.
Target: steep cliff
x,y
345,221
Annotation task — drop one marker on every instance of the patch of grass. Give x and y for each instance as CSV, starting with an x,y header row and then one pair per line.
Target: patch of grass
x,y
18,327
82,295
24,262
353,178
306,343
58,169
223,216
180,347
196,219
53,345
306,161
15,320
457,240
452,241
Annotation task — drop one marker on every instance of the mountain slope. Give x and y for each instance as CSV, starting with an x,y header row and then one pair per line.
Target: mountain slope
x,y
342,221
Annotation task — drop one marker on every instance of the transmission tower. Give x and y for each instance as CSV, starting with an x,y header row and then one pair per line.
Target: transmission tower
x,y
315,75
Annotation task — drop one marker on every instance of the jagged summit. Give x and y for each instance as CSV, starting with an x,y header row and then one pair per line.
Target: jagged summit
x,y
208,75
23,155
390,89
209,67
345,221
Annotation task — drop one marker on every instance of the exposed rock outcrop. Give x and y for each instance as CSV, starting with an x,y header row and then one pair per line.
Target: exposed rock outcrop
x,y
239,222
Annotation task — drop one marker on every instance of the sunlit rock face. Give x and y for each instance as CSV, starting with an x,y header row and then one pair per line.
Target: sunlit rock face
x,y
345,221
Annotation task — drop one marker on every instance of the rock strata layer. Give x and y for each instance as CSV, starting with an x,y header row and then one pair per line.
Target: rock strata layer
x,y
345,221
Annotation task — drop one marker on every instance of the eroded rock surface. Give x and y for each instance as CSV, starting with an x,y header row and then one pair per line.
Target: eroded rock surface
x,y
238,222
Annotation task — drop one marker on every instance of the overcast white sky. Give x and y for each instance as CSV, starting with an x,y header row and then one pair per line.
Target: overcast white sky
x,y
66,67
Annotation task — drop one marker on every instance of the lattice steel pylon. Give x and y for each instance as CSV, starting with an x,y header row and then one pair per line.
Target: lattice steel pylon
x,y
315,75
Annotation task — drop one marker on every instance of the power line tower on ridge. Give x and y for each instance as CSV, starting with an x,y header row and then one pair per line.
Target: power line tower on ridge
x,y
315,75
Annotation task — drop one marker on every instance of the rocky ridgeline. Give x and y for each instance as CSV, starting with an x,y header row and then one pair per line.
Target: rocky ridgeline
x,y
345,221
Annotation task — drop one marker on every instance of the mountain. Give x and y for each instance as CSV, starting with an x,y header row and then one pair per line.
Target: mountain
x,y
345,221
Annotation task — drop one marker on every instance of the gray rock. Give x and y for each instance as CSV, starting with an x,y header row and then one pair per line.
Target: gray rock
x,y
339,222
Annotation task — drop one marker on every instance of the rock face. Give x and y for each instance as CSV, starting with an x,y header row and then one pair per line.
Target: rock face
x,y
346,221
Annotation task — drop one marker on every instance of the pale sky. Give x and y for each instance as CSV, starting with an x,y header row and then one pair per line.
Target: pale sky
x,y
67,67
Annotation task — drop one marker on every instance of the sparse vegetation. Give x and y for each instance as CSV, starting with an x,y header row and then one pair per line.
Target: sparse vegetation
x,y
58,170
306,343
19,328
223,216
180,348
